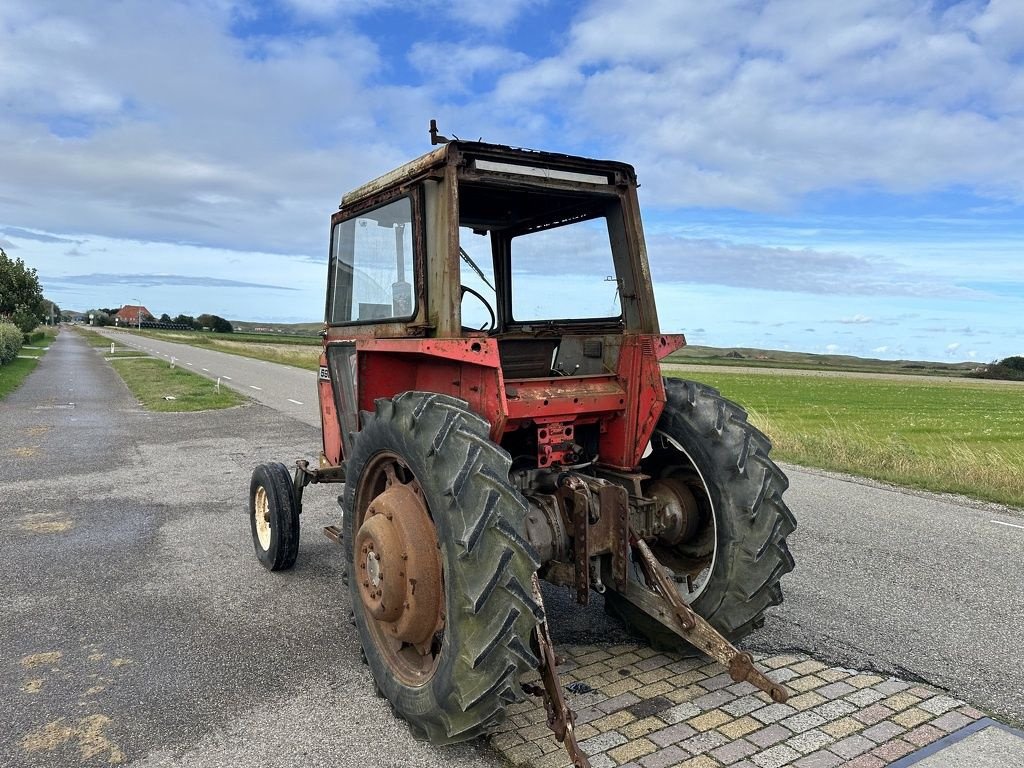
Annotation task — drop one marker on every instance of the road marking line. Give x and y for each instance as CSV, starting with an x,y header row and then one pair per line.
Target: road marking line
x,y
293,401
253,386
188,363
1008,525
205,369
226,378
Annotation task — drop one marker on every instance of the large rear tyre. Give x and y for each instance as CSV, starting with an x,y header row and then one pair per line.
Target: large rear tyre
x,y
274,517
439,574
735,554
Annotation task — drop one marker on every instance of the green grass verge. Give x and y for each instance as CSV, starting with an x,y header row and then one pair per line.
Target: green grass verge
x,y
960,436
12,374
152,380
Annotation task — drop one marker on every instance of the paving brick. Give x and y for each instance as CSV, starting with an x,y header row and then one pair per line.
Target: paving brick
x,y
733,752
835,690
507,740
524,752
893,750
803,721
863,680
714,699
602,761
774,662
621,686
586,714
671,735
843,727
776,757
741,689
702,761
971,712
739,727
703,742
653,662
689,693
806,701
709,720
743,706
939,705
873,714
865,761
614,720
822,759
773,713
832,674
602,742
554,759
663,758
911,717
716,682
852,746
808,741
806,683
807,667
781,675
653,676
773,734
650,706
923,735
951,721
891,686
585,731
923,691
631,750
680,712
864,697
835,709
640,728
900,701
883,731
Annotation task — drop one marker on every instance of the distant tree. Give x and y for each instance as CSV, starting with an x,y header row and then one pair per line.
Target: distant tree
x,y
21,297
185,320
1010,368
50,309
99,317
165,318
215,323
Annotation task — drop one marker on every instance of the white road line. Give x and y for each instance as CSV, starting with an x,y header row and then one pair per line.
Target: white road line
x,y
293,401
1008,525
205,369
253,386
188,363
226,378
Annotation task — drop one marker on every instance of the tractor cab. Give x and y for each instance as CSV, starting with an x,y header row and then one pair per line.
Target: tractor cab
x,y
524,270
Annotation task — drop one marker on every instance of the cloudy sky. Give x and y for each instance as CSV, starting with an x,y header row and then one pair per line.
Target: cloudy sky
x,y
815,176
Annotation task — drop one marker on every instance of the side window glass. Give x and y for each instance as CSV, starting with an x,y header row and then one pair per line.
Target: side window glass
x,y
372,266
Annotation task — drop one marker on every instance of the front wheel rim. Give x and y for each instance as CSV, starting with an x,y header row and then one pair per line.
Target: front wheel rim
x,y
261,513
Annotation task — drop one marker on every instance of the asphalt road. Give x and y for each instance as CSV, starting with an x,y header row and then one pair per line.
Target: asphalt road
x,y
138,624
911,584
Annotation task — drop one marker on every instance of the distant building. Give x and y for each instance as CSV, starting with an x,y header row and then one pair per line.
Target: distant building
x,y
129,315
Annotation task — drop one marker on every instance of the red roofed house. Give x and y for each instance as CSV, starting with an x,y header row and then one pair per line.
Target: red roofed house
x,y
129,315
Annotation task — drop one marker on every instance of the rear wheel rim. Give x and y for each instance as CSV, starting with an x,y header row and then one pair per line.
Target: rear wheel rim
x,y
262,514
395,537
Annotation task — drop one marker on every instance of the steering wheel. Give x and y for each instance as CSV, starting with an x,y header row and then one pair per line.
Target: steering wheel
x,y
466,289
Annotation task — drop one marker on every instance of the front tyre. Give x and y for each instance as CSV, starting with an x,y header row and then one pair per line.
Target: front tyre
x,y
731,553
274,517
439,574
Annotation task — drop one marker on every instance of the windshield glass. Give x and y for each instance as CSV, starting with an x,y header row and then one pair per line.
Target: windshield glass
x,y
564,272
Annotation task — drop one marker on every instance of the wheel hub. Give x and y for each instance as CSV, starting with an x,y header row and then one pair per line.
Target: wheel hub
x,y
399,566
679,515
262,515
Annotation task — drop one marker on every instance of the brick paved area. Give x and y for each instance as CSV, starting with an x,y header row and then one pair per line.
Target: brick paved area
x,y
654,710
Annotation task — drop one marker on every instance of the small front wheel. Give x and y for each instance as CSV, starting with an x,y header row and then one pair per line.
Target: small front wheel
x,y
274,517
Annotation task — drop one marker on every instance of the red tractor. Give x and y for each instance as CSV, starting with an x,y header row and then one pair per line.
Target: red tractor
x,y
492,400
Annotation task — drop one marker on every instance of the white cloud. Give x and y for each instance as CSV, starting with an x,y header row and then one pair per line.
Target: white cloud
x,y
881,350
857,319
951,348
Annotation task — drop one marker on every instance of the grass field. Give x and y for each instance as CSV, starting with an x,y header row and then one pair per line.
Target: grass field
x,y
960,436
298,351
152,381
